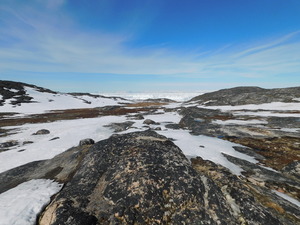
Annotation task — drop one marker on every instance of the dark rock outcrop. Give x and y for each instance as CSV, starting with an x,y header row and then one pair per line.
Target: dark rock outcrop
x,y
87,141
6,145
247,95
149,122
198,120
293,169
118,127
61,168
41,132
143,178
17,93
251,200
137,178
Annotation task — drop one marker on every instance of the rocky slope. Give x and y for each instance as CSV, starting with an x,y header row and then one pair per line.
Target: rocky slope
x,y
248,95
15,96
15,91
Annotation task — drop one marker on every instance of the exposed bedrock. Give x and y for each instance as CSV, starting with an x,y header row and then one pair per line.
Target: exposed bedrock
x,y
248,95
143,178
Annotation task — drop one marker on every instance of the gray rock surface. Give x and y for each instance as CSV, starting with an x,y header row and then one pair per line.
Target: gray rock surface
x,y
118,127
8,144
41,132
61,168
143,178
137,178
149,122
87,141
248,95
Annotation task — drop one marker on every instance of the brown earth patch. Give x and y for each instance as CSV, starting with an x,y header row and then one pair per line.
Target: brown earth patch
x,y
146,104
69,114
278,151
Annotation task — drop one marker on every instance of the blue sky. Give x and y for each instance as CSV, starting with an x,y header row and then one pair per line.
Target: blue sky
x,y
150,45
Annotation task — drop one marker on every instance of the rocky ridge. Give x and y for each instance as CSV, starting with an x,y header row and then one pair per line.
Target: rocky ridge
x,y
248,95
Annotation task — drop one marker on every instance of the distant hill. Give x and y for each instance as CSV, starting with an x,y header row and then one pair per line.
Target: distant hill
x,y
17,93
248,95
27,98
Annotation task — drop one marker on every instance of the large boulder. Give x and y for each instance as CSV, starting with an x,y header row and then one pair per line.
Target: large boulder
x,y
136,178
144,178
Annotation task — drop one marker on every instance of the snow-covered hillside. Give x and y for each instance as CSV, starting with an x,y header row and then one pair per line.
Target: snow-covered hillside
x,y
39,100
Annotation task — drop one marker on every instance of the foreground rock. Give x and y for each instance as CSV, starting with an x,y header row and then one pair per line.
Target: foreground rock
x,y
143,178
137,178
250,196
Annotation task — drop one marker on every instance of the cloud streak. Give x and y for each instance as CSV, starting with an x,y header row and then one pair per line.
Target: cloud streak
x,y
35,41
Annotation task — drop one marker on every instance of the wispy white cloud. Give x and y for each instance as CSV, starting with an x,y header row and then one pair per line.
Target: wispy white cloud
x,y
38,41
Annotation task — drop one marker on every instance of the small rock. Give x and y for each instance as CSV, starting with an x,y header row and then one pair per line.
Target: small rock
x,y
149,122
173,126
87,141
138,117
27,142
41,132
55,138
157,128
9,144
118,127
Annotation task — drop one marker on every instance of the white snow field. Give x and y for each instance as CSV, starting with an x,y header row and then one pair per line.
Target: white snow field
x,y
288,198
20,205
70,132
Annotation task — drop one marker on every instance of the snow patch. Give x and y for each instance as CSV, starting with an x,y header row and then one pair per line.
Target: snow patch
x,y
208,148
70,132
296,99
239,122
288,198
11,89
20,205
292,130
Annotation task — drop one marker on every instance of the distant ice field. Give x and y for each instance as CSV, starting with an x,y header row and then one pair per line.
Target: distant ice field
x,y
177,96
